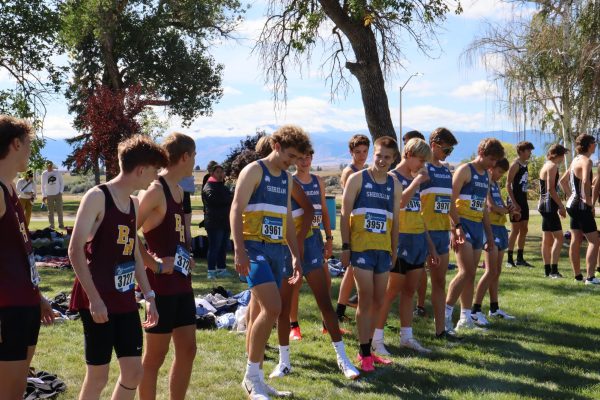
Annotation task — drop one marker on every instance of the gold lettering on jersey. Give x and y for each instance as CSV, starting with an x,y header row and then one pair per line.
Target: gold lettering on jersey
x,y
123,238
179,228
22,229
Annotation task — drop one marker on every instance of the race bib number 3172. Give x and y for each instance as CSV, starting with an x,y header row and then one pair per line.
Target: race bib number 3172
x,y
272,227
375,223
182,261
125,277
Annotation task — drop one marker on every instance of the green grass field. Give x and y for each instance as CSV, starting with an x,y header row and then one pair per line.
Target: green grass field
x,y
550,352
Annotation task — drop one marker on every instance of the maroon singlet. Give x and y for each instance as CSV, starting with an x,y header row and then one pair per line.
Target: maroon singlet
x,y
112,246
16,289
163,241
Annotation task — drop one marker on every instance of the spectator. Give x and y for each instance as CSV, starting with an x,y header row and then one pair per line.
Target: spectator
x,y
26,192
217,203
52,190
209,167
188,186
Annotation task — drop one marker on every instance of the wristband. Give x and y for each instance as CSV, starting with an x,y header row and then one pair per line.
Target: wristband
x,y
345,246
150,295
158,268
330,237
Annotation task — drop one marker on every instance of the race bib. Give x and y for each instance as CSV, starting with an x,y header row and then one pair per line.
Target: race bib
x,y
375,223
272,227
414,205
182,261
441,205
35,276
125,277
317,219
477,203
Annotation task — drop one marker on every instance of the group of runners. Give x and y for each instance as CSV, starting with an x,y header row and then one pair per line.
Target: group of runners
x,y
394,224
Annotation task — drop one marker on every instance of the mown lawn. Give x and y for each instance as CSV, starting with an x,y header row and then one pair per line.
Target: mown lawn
x,y
552,351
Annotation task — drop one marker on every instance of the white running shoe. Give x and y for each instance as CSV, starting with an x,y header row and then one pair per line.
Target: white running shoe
x,y
413,344
255,388
465,324
379,348
501,314
349,370
271,391
280,371
479,319
594,281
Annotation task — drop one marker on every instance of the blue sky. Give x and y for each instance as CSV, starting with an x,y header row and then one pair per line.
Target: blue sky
x,y
447,94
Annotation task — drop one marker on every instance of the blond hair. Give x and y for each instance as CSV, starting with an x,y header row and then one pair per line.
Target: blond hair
x,y
417,148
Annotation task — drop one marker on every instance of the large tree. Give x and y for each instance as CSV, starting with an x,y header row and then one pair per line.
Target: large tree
x,y
158,46
362,37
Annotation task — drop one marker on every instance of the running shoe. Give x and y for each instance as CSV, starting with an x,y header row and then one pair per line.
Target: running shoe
x,y
413,344
501,314
211,275
271,391
451,266
343,331
450,336
466,324
510,264
255,388
349,370
377,346
366,363
295,334
593,281
281,370
420,312
223,273
557,275
523,263
479,319
380,360
353,301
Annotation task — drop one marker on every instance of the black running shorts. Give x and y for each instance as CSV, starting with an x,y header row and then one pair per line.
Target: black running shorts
x,y
582,220
19,329
551,222
175,311
524,210
123,332
402,267
187,203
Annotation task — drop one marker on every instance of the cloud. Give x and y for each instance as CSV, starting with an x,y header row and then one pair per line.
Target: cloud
x,y
56,127
231,91
475,90
430,117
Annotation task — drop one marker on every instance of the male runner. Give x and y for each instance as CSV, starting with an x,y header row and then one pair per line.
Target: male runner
x,y
260,221
468,213
21,305
105,255
518,178
169,268
369,226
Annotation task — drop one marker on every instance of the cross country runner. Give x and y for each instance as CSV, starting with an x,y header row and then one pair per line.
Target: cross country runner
x,y
470,186
261,220
369,226
21,305
168,266
105,256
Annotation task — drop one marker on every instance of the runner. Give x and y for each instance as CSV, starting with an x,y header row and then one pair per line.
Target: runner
x,y
580,209
412,135
435,205
550,206
105,256
260,221
518,178
359,151
21,305
168,266
497,211
413,246
368,225
470,186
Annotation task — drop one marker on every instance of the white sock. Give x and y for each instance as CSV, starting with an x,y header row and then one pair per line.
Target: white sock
x,y
465,313
449,311
284,355
340,349
378,335
252,369
261,374
406,334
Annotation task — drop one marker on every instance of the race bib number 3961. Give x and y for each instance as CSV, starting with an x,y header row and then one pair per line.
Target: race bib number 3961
x,y
182,261
272,227
125,277
375,223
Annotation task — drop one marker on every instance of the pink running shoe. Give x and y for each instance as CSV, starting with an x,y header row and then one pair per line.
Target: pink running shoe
x,y
380,360
366,363
295,334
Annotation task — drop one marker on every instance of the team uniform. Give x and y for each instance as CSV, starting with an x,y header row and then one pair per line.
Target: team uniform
x,y
174,295
313,243
582,216
20,310
264,228
497,220
435,205
470,205
520,185
370,221
548,207
111,261
412,241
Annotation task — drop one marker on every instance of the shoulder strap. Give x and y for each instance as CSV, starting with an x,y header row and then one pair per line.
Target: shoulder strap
x,y
108,200
166,188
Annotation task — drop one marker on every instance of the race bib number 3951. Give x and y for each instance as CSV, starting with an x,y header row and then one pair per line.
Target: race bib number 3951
x,y
317,219
272,227
441,205
125,277
182,261
477,203
375,223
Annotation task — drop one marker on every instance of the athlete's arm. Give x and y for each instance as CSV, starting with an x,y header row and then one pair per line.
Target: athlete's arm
x,y
491,204
346,172
290,234
512,171
434,258
551,179
459,179
596,189
396,220
88,214
349,197
309,212
586,184
326,220
2,205
246,184
151,212
486,221
409,192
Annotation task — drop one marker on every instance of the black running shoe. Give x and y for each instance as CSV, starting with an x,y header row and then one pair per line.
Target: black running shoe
x,y
511,264
523,263
448,336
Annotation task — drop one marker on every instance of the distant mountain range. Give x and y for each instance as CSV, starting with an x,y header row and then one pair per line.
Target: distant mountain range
x,y
331,148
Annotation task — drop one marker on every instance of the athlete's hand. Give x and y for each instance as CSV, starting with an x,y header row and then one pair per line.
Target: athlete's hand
x,y
489,244
99,312
562,211
458,238
192,263
168,263
345,258
296,272
242,263
328,249
422,175
47,312
433,259
151,314
516,216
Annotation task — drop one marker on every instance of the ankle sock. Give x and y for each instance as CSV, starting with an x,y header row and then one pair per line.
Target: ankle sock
x,y
340,349
465,313
252,368
579,277
476,308
547,269
520,255
340,310
365,349
378,335
284,355
294,325
406,333
448,311
554,269
510,256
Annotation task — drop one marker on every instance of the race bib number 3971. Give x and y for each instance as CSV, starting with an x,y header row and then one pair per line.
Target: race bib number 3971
x,y
442,204
272,227
125,277
375,223
182,261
